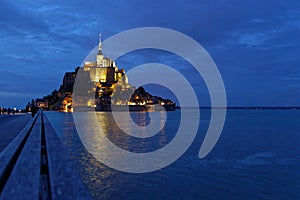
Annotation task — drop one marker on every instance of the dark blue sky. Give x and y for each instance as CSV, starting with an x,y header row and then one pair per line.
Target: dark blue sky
x,y
255,44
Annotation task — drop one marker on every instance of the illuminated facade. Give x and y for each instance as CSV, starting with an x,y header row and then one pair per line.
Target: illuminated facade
x,y
111,87
104,70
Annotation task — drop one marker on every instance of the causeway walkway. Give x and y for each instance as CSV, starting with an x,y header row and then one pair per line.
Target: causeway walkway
x,y
35,165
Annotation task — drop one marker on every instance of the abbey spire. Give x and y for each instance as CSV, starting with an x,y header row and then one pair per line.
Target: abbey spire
x,y
100,45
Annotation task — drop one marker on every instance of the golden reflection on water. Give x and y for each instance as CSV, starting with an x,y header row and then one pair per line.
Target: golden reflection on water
x,y
97,174
121,139
101,180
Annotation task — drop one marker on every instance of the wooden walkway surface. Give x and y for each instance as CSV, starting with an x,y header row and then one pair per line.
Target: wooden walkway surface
x,y
35,166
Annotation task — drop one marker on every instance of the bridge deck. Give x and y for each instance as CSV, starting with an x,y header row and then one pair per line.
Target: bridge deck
x,y
35,166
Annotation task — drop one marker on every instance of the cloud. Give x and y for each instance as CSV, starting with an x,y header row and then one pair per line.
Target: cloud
x,y
258,40
16,94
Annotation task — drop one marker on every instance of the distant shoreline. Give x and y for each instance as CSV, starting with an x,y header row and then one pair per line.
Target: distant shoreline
x,y
209,107
250,107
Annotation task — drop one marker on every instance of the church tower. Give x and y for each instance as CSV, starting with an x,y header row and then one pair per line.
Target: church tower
x,y
100,57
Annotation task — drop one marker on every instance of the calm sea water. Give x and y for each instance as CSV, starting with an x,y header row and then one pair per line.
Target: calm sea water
x,y
256,157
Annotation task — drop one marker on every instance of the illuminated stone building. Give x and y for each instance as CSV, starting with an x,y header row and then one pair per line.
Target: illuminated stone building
x,y
104,70
105,74
110,85
42,104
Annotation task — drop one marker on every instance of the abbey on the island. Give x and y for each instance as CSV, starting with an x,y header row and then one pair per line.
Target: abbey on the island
x,y
104,70
110,85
